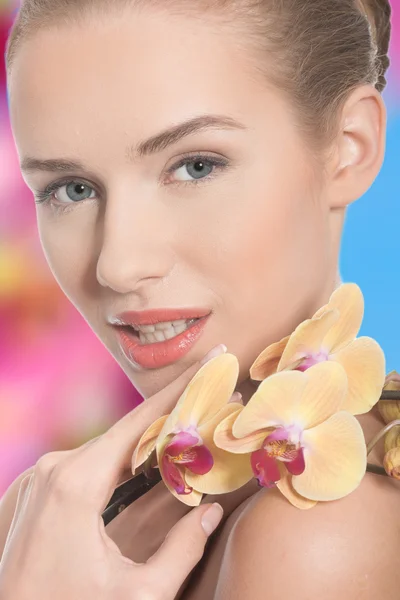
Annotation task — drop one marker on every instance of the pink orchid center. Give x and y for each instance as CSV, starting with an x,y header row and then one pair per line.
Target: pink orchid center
x,y
182,452
312,359
278,447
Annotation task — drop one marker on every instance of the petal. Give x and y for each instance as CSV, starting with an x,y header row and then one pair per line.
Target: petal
x,y
298,465
323,395
210,389
307,338
336,459
147,443
203,461
183,447
180,442
321,311
230,471
274,403
224,438
267,362
174,476
265,468
349,301
364,362
191,499
217,380
286,488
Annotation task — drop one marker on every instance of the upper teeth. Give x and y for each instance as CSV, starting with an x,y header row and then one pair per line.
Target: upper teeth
x,y
161,326
159,332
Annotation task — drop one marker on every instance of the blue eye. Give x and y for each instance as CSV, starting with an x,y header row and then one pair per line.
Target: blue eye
x,y
197,168
75,191
193,169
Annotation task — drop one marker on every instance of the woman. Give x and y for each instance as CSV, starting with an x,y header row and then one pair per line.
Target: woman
x,y
126,104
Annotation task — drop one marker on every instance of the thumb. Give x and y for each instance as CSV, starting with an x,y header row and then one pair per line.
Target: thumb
x,y
184,547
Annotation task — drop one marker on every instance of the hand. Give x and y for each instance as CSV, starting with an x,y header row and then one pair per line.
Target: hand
x,y
57,546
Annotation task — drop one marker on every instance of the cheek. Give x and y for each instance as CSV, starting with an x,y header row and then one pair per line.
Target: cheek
x,y
266,234
69,255
266,254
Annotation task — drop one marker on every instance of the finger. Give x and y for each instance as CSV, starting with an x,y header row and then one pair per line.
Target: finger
x,y
102,463
183,547
236,398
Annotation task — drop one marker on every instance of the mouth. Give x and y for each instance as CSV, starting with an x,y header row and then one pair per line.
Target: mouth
x,y
160,332
159,343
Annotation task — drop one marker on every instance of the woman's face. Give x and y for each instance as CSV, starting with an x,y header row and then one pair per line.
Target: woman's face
x,y
246,239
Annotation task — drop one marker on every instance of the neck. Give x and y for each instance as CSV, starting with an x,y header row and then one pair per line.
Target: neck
x,y
248,387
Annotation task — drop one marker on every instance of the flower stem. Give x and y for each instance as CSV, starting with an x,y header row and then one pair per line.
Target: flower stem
x,y
376,470
389,395
380,435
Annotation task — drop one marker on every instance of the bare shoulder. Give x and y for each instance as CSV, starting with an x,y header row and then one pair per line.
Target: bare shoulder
x,y
347,549
7,507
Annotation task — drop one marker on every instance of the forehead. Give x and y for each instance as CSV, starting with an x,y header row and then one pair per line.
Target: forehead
x,y
129,75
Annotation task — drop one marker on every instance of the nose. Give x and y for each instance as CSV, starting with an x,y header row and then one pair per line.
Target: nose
x,y
136,248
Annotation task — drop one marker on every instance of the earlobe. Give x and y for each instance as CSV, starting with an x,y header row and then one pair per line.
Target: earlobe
x,y
360,146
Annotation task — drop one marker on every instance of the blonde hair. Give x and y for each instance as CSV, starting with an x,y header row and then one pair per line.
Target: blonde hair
x,y
319,50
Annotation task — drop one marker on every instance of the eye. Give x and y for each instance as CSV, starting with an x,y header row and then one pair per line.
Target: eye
x,y
195,168
74,191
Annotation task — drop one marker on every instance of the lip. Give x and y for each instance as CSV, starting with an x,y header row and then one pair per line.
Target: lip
x,y
159,354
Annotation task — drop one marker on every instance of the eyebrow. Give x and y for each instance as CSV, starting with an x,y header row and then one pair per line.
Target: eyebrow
x,y
154,144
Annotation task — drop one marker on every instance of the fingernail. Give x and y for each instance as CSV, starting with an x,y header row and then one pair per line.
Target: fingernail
x,y
236,397
221,349
212,518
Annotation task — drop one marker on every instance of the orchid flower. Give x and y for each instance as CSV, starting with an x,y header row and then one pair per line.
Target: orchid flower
x,y
330,335
190,463
298,435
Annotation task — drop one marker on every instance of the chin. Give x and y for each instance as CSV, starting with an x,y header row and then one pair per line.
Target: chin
x,y
151,381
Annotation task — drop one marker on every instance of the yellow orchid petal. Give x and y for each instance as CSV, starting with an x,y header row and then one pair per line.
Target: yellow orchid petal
x,y
267,362
274,403
147,442
307,338
224,438
336,459
323,395
321,311
349,301
286,488
209,390
230,471
364,362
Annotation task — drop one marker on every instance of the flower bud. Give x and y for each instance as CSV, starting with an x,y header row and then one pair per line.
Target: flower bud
x,y
390,409
392,439
391,463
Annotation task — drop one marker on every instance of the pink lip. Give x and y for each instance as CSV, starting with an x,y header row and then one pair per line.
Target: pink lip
x,y
159,354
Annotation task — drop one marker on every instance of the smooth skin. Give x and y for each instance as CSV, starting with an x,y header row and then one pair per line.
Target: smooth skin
x,y
256,242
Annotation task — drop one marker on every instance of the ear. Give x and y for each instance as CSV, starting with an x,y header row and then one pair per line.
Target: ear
x,y
359,148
